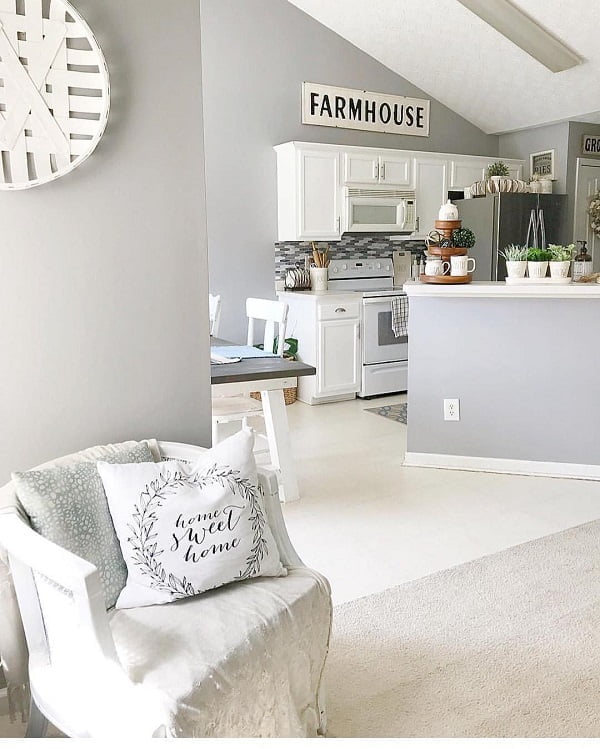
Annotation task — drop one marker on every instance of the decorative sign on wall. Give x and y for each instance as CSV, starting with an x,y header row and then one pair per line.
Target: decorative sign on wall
x,y
55,98
542,164
363,110
590,145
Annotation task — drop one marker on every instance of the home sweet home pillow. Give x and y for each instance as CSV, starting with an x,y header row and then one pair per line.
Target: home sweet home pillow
x,y
187,528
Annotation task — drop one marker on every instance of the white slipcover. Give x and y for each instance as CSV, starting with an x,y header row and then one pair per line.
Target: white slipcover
x,y
221,662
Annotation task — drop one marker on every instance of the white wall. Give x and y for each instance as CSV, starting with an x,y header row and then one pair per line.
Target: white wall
x,y
256,53
103,290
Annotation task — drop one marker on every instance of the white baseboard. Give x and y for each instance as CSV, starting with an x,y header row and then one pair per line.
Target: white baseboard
x,y
503,465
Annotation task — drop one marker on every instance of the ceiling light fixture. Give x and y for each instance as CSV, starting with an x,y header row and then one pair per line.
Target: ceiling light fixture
x,y
526,33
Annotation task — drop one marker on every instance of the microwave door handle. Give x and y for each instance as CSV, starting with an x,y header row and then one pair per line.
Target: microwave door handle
x,y
402,216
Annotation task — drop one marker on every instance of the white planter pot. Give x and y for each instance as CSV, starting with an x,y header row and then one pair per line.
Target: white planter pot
x,y
516,268
560,268
537,269
546,185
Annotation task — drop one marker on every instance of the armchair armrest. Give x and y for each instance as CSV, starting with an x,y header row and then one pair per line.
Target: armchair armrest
x,y
268,482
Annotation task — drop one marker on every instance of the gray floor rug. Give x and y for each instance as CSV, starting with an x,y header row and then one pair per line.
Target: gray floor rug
x,y
397,412
505,646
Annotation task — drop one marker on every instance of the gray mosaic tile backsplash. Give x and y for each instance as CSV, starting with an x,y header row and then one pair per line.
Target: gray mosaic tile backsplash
x,y
290,254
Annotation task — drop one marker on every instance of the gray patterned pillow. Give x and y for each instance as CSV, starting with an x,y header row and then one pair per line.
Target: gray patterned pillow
x,y
67,505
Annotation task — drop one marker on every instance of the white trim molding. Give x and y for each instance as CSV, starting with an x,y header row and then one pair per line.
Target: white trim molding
x,y
503,465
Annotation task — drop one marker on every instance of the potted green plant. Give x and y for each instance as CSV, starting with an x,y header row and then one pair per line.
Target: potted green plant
x,y
560,261
515,256
537,262
463,237
496,170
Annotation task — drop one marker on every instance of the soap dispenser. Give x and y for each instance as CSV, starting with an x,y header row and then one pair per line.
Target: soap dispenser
x,y
582,263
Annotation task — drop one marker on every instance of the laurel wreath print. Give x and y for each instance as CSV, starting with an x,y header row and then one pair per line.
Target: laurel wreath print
x,y
143,539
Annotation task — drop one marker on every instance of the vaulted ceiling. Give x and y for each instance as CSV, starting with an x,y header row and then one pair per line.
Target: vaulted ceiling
x,y
454,56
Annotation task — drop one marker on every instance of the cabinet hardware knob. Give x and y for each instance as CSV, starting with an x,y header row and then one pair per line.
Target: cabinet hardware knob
x,y
341,309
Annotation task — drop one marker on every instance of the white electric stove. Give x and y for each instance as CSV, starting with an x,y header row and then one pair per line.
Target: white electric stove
x,y
384,357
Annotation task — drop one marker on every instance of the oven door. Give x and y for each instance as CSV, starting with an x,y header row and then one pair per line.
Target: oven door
x,y
379,344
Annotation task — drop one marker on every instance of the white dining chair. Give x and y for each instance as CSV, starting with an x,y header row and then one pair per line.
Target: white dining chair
x,y
214,313
227,409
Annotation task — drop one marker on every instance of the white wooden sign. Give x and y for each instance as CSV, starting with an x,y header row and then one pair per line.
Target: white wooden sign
x,y
55,95
364,110
591,145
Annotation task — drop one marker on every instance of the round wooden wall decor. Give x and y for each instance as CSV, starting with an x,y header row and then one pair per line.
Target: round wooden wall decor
x,y
54,91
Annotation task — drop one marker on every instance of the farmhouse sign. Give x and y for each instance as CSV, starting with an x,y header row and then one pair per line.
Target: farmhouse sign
x,y
591,145
364,110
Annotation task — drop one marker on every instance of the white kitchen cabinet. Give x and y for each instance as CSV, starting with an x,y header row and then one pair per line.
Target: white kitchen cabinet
x,y
431,186
468,169
327,327
312,179
373,167
309,193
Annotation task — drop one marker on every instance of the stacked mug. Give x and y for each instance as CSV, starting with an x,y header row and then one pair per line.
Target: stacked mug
x,y
458,265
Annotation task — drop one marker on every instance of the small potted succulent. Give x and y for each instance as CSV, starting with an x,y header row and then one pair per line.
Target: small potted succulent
x,y
496,170
560,262
537,262
463,238
516,260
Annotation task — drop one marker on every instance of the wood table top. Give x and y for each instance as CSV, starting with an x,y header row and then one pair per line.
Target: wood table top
x,y
247,370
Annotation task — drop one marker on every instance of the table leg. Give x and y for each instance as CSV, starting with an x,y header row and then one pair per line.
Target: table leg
x,y
280,445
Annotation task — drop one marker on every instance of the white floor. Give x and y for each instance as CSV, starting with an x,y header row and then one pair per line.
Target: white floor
x,y
368,523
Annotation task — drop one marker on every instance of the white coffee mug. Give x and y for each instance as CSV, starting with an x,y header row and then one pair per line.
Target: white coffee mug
x,y
435,267
460,265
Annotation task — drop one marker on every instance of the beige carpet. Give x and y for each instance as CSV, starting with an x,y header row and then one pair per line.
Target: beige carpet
x,y
505,646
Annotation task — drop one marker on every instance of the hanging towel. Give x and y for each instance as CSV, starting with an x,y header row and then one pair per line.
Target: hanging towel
x,y
400,316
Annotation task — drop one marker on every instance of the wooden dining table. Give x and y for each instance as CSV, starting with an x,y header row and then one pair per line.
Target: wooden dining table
x,y
269,376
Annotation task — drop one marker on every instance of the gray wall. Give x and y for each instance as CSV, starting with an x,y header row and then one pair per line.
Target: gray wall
x,y
256,53
527,386
520,144
103,297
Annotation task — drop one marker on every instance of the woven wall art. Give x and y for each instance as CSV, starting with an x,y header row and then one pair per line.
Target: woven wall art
x,y
54,91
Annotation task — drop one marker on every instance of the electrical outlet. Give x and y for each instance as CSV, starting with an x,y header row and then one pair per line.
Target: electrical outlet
x,y
451,409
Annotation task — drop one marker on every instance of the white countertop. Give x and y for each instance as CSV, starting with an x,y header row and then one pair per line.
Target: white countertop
x,y
479,289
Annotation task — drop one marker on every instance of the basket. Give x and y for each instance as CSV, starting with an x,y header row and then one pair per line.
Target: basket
x,y
290,395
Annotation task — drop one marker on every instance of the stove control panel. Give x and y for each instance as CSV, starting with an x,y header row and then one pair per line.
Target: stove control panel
x,y
356,268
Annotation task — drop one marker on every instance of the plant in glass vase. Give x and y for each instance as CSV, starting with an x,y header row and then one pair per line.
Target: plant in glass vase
x,y
537,262
560,261
515,256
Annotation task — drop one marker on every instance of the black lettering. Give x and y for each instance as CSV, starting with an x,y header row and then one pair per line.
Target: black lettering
x,y
400,120
340,106
369,110
385,113
313,102
355,109
325,105
410,119
420,117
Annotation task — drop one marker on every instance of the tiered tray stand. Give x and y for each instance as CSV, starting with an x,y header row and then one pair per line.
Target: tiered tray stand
x,y
446,228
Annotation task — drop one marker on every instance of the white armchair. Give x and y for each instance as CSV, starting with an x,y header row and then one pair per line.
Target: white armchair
x,y
242,660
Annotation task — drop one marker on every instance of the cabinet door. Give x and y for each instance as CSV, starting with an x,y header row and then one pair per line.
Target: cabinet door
x,y
396,170
431,184
338,369
464,172
515,171
361,168
319,209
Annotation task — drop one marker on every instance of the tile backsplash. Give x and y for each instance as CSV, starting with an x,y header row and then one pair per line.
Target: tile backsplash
x,y
290,254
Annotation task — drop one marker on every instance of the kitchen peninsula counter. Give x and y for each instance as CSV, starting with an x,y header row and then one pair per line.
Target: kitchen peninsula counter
x,y
524,362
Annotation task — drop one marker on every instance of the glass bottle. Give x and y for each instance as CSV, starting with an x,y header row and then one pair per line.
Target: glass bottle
x,y
582,263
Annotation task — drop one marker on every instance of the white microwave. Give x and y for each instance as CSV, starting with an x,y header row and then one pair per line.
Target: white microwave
x,y
372,209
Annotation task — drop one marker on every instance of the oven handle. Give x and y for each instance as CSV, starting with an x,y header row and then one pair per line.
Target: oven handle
x,y
380,299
